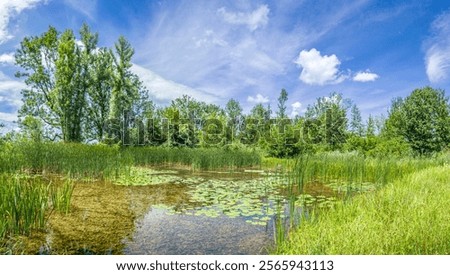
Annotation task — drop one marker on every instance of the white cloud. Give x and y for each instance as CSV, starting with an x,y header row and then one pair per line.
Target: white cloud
x,y
8,117
437,63
227,59
10,89
10,98
9,9
318,69
437,57
164,90
253,20
7,58
296,108
86,7
258,99
365,76
216,56
11,85
210,39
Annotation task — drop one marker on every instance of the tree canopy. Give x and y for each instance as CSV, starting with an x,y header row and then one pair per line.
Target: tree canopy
x,y
80,92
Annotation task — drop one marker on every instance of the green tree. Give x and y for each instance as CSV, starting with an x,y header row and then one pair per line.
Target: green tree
x,y
99,93
326,121
233,111
423,120
37,56
126,85
254,125
69,94
392,126
370,131
32,128
282,99
55,92
356,126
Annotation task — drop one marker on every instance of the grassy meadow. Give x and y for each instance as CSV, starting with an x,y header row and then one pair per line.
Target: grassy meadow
x,y
407,216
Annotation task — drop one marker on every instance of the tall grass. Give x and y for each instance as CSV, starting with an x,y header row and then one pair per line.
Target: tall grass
x,y
62,196
78,160
23,205
407,216
347,174
198,158
27,202
352,168
101,161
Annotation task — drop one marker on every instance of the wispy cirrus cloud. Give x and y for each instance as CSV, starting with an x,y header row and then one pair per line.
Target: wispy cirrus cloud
x,y
215,56
253,20
163,90
9,9
437,57
85,7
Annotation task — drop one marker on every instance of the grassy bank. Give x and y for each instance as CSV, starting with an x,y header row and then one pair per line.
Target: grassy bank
x,y
407,216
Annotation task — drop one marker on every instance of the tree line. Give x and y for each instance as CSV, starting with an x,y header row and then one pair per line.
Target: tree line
x,y
79,92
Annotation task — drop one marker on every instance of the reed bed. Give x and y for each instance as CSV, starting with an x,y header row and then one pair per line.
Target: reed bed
x,y
350,168
76,160
26,203
197,158
108,162
23,205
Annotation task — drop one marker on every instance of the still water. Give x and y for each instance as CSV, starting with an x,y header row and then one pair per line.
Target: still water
x,y
170,212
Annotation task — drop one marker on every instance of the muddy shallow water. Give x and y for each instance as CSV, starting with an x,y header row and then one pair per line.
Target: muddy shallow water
x,y
177,212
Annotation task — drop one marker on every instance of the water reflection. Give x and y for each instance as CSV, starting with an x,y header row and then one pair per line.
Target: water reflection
x,y
180,212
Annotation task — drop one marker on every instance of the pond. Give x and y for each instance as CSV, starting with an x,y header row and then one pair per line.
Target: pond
x,y
156,211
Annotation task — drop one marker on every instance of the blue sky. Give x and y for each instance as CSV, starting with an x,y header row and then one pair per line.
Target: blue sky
x,y
370,51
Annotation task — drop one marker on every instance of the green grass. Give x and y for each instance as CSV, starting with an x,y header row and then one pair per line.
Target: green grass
x,y
62,196
109,162
197,158
23,205
76,160
407,216
26,202
352,168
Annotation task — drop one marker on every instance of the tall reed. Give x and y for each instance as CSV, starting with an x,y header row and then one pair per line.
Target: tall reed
x,y
24,205
197,158
62,196
352,168
108,162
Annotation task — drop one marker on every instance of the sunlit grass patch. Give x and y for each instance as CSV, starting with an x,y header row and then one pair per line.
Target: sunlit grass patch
x,y
408,216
